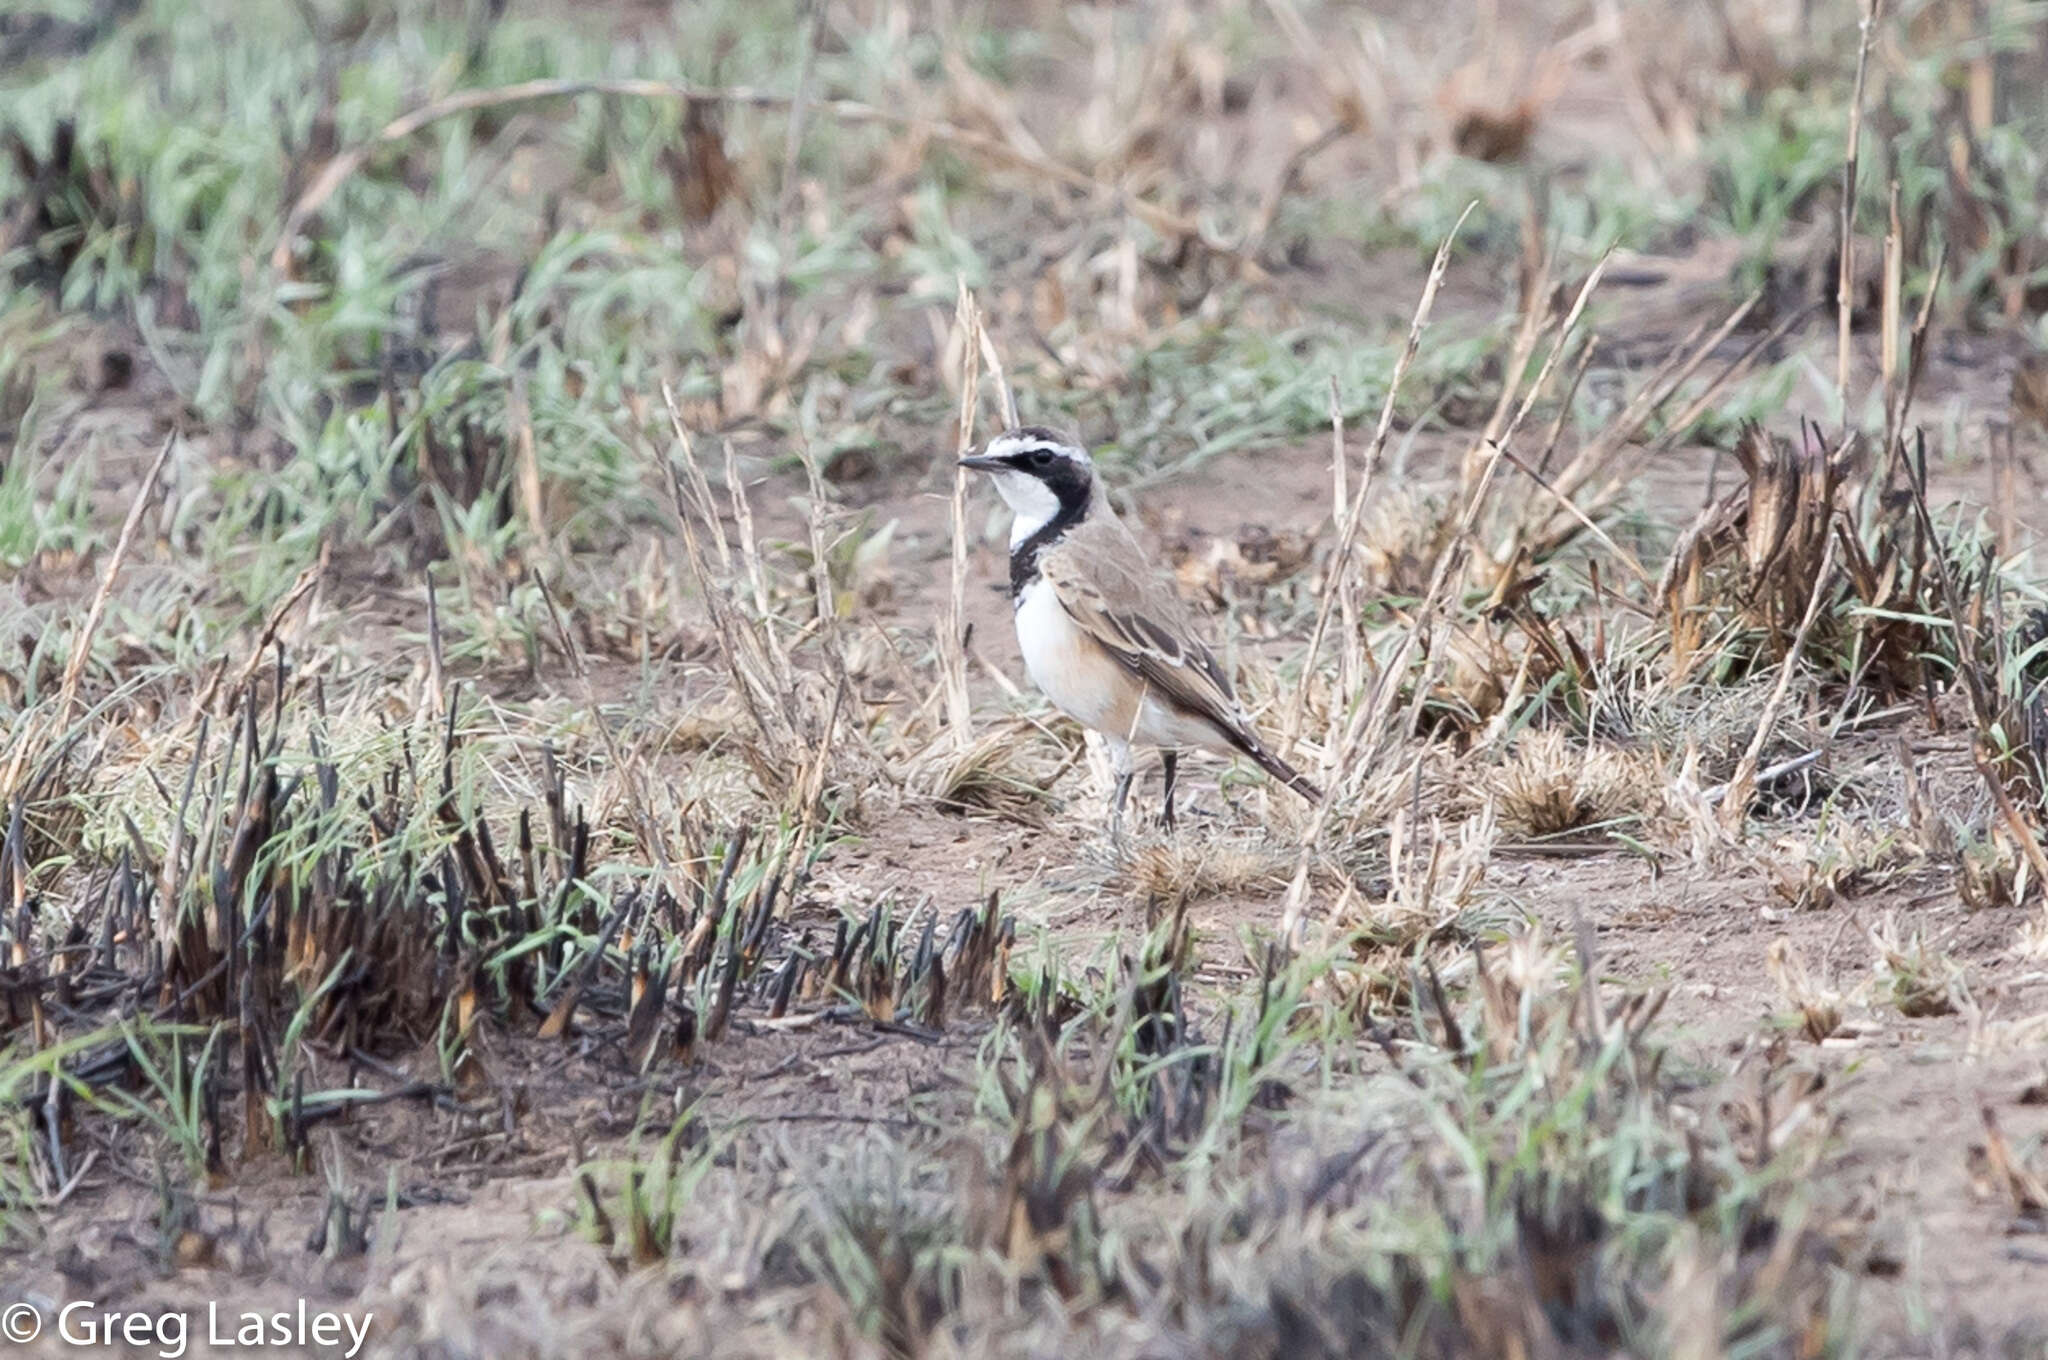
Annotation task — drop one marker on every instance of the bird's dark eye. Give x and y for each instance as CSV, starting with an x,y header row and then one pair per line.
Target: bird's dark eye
x,y
1041,459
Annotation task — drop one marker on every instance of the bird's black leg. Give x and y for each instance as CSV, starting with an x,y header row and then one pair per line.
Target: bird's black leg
x,y
1123,791
1171,759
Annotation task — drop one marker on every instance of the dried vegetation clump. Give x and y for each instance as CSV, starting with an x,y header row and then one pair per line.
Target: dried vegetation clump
x,y
1545,787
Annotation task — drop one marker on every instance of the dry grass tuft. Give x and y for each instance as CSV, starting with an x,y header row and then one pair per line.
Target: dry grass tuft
x,y
1427,908
1548,786
1753,564
1398,539
1912,975
1993,872
1001,772
1825,869
1818,1007
1203,866
703,727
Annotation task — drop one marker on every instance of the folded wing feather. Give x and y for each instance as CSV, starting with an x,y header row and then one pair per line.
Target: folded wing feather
x,y
1104,583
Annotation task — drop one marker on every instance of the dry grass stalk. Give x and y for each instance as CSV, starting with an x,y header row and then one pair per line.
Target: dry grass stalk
x,y
1585,521
652,843
1346,587
1533,306
1006,400
952,623
81,644
1538,536
795,715
300,589
1900,384
1844,294
1735,807
1297,892
519,417
1765,342
2005,491
815,511
750,548
1370,726
1350,516
1477,469
1889,309
1677,368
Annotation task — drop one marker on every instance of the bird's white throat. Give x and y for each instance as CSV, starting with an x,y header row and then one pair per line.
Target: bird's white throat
x,y
1032,500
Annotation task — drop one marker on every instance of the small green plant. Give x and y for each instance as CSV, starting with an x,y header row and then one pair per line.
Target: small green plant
x,y
181,1090
650,1196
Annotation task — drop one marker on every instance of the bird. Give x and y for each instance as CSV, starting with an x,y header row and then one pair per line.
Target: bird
x,y
1104,634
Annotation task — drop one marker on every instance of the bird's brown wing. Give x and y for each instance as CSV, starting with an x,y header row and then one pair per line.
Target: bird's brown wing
x,y
1101,578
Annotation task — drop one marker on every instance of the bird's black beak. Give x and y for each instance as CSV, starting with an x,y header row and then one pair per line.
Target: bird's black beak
x,y
983,463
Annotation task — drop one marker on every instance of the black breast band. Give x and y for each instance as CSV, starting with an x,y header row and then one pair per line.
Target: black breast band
x,y
1024,557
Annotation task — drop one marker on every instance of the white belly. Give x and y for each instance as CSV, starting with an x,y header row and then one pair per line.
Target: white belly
x,y
1092,687
1069,668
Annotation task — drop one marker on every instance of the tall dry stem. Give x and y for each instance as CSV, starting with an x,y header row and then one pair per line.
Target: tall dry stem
x,y
1349,517
953,622
1845,304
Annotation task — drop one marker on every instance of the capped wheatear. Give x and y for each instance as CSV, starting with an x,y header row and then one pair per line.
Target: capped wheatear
x,y
1104,635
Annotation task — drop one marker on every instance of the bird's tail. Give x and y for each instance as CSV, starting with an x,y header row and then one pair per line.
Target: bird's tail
x,y
1281,770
